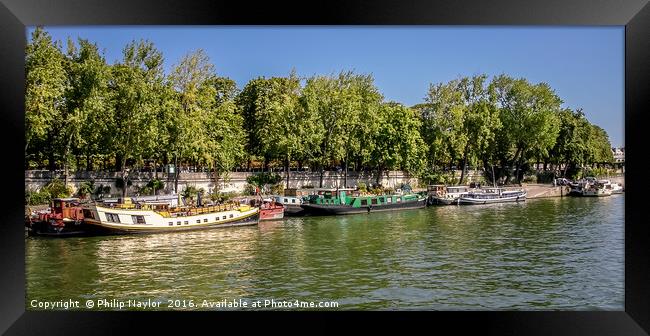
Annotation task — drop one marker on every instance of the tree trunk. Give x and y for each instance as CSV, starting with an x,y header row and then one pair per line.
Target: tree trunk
x,y
175,173
514,159
118,162
89,162
26,160
322,172
125,177
216,178
286,166
50,154
345,171
462,174
380,171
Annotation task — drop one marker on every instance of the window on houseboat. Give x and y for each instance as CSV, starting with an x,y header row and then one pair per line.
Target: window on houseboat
x,y
399,199
88,214
178,223
186,222
364,202
112,218
293,201
389,200
138,219
205,220
373,201
224,217
198,221
231,215
171,223
286,200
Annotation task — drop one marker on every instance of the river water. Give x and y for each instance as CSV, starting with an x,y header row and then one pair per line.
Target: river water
x,y
544,254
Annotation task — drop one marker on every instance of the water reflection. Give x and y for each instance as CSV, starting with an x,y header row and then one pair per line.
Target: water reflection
x,y
541,254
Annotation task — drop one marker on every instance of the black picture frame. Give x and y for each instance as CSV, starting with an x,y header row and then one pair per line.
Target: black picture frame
x,y
15,15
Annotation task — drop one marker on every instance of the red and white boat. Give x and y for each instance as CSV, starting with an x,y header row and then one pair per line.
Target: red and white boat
x,y
271,210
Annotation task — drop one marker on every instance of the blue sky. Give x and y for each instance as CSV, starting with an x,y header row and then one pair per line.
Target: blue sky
x,y
585,65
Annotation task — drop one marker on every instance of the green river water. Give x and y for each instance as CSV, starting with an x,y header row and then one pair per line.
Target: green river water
x,y
543,254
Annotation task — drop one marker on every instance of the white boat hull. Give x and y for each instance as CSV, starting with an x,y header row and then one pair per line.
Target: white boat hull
x,y
102,220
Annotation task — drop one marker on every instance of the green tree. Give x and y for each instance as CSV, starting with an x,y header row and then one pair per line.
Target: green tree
x,y
46,82
87,113
529,114
397,142
135,104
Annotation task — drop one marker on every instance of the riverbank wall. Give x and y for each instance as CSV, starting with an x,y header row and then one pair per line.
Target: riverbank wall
x,y
232,182
236,181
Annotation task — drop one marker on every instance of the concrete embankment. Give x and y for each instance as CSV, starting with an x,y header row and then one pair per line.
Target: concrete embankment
x,y
545,190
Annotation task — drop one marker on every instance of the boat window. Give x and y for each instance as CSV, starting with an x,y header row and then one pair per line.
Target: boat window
x,y
186,222
373,201
231,215
224,217
217,218
205,220
138,219
112,217
293,200
198,221
364,202
171,223
88,214
286,200
178,223
399,199
389,200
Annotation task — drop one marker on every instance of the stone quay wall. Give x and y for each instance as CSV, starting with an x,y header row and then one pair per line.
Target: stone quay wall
x,y
233,182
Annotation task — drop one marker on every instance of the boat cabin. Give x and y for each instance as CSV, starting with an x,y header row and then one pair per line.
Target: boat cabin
x,y
64,208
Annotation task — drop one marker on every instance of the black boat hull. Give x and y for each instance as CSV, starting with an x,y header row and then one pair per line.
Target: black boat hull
x,y
69,229
331,210
294,210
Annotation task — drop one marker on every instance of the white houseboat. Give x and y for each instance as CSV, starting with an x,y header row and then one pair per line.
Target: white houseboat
x,y
129,218
493,195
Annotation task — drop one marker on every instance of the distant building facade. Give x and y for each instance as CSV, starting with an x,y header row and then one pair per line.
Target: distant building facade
x,y
619,154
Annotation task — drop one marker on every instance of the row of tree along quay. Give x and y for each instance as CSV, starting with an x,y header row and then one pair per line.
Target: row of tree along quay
x,y
85,114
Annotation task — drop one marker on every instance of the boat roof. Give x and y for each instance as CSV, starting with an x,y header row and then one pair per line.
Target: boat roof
x,y
67,199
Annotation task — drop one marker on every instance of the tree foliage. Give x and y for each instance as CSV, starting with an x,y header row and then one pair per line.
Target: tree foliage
x,y
119,116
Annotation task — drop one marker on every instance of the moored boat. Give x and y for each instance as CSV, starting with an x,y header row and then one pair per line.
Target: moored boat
x,y
339,202
291,205
589,188
64,219
445,195
271,210
493,195
158,218
616,188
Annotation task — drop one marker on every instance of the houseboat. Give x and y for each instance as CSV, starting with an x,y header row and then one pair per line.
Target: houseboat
x,y
128,218
616,188
493,195
291,205
589,188
340,202
445,195
64,218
